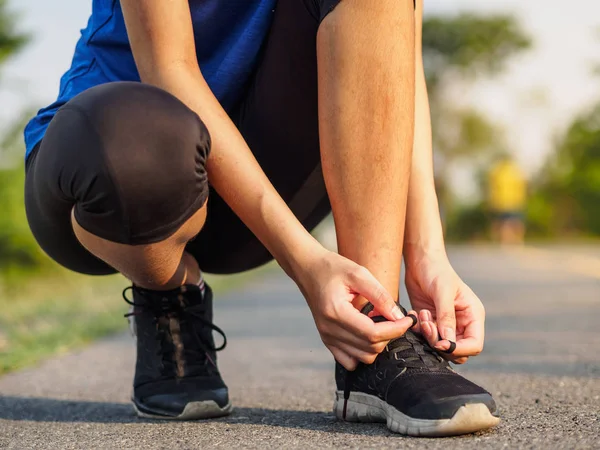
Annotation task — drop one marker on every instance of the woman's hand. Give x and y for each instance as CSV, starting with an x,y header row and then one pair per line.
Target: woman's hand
x,y
449,311
330,283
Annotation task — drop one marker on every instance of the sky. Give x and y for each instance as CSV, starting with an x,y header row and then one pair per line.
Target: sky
x,y
557,69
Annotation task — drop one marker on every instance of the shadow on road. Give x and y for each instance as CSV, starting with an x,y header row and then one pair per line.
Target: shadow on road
x,y
36,409
55,410
33,409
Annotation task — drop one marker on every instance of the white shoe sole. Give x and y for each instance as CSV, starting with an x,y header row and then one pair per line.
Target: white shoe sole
x,y
368,408
192,411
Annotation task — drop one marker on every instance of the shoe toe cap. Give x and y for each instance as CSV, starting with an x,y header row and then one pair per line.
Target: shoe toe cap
x,y
446,408
174,404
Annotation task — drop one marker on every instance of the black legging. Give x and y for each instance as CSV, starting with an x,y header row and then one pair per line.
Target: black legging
x,y
131,158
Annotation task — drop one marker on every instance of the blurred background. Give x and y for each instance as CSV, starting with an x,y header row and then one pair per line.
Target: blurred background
x,y
515,98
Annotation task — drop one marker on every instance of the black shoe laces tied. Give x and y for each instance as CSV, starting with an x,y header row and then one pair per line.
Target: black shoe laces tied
x,y
183,314
410,351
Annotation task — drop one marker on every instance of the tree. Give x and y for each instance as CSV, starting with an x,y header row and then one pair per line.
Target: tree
x,y
469,45
567,189
17,247
11,41
465,47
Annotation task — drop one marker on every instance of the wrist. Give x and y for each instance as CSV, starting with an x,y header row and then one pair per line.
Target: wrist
x,y
301,258
424,236
416,253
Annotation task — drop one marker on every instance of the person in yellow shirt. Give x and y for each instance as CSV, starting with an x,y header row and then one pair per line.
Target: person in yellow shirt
x,y
507,199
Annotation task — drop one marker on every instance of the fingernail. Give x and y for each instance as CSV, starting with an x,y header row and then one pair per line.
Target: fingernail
x,y
449,334
397,313
428,316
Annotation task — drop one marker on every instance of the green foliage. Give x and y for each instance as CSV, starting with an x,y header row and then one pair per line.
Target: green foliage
x,y
540,216
567,192
467,132
18,249
11,41
50,314
467,223
456,48
470,44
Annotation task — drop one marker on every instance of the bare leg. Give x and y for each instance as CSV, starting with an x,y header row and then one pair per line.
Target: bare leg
x,y
161,266
518,231
495,230
505,231
366,69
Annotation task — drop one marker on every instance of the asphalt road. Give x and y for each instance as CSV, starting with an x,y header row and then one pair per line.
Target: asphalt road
x,y
541,362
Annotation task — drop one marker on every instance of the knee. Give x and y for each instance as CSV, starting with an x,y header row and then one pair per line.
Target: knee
x,y
141,127
138,161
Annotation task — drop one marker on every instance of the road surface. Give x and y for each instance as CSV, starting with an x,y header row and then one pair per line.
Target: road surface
x,y
541,362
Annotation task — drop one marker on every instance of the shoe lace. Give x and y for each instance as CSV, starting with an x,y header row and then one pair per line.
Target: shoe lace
x,y
169,317
412,350
409,351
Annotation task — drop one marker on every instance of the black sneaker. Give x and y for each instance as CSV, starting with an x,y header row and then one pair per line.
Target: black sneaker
x,y
176,375
414,390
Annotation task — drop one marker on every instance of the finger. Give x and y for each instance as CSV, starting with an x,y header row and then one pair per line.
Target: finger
x,y
447,347
365,284
339,334
445,313
343,358
416,327
364,357
448,354
386,331
471,341
364,327
430,333
468,347
429,328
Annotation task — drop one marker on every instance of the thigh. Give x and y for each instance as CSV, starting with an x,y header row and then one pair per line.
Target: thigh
x,y
49,208
279,120
128,159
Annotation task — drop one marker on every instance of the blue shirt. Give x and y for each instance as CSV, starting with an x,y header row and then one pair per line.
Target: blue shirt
x,y
228,35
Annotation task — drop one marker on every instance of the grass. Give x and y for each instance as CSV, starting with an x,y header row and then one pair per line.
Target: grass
x,y
45,315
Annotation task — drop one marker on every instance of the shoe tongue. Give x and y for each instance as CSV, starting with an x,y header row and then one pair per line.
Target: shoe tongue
x,y
183,296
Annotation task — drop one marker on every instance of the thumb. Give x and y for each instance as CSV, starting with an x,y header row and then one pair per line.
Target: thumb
x,y
364,283
445,313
